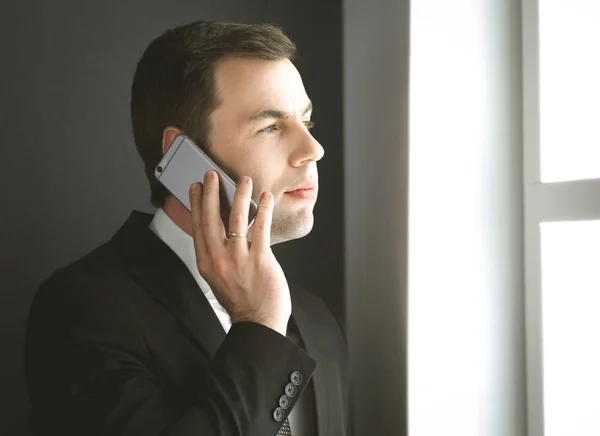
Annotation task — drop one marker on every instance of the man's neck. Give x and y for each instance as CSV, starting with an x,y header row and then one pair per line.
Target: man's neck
x,y
179,214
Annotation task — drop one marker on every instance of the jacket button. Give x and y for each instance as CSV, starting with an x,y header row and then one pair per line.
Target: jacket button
x,y
278,414
284,402
290,390
296,378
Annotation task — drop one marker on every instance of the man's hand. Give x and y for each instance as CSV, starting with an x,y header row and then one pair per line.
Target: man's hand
x,y
245,277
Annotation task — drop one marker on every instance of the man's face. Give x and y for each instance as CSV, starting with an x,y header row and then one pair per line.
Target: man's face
x,y
261,130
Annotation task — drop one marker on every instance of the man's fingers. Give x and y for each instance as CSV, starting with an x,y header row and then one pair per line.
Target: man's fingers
x,y
197,234
212,226
261,229
238,216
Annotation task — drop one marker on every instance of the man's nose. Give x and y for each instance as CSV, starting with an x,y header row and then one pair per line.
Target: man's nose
x,y
308,149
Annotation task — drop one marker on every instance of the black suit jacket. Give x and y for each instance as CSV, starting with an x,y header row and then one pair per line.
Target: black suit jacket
x,y
123,342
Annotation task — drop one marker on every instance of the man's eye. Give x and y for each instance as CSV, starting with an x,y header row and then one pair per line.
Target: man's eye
x,y
309,124
270,129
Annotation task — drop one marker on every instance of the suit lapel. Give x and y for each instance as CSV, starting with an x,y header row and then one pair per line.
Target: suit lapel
x,y
166,278
316,343
160,272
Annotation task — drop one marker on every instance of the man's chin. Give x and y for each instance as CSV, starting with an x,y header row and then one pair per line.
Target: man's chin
x,y
296,227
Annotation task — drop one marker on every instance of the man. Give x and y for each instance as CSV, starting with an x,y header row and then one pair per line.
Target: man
x,y
174,327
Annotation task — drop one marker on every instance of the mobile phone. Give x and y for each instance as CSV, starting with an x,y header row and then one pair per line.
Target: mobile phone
x,y
185,163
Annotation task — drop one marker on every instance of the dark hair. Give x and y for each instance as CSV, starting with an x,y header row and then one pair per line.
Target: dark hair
x,y
174,82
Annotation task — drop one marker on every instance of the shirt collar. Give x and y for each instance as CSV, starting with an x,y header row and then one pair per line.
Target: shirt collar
x,y
180,242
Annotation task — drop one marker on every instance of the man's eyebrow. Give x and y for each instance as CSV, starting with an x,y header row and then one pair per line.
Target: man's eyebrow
x,y
276,113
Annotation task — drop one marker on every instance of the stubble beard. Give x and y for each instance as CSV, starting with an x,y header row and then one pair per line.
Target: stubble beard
x,y
291,223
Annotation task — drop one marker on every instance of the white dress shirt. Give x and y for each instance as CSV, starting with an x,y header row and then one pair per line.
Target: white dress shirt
x,y
301,417
183,246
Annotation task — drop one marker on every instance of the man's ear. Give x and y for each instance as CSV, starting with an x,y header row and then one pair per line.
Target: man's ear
x,y
169,135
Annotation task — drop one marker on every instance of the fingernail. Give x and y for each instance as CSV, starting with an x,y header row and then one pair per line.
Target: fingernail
x,y
245,180
195,188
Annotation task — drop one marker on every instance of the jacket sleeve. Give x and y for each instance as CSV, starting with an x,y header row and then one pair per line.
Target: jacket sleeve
x,y
89,372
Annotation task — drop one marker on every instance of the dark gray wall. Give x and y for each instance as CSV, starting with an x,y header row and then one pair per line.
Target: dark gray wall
x,y
70,174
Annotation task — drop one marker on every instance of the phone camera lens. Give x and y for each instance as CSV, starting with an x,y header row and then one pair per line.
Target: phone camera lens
x,y
159,169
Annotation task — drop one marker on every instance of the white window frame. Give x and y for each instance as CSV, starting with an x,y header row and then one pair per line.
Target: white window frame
x,y
544,202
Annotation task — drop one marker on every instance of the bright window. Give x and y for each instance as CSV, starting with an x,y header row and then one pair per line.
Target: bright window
x,y
561,95
569,52
571,324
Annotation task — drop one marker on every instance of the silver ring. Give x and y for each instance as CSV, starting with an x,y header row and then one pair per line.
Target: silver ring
x,y
238,235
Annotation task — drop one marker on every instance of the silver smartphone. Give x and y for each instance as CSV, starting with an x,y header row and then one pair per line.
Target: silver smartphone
x,y
185,163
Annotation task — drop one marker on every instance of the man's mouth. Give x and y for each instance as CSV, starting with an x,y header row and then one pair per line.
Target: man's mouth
x,y
307,190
